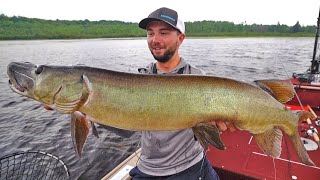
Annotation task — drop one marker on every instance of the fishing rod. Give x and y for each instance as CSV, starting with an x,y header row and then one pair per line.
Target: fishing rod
x,y
311,75
314,69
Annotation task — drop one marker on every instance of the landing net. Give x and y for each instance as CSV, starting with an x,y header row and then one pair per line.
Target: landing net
x,y
32,165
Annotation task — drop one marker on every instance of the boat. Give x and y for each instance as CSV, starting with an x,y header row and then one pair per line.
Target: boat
x,y
243,159
121,172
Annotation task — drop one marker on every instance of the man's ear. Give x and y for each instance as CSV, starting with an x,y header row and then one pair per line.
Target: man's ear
x,y
181,37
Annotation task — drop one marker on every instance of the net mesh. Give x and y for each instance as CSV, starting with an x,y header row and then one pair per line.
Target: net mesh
x,y
32,165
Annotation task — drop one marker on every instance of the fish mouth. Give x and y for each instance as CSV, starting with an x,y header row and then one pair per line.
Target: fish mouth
x,y
16,86
21,79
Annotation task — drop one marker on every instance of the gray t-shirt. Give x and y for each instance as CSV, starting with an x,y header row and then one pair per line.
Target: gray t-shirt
x,y
169,152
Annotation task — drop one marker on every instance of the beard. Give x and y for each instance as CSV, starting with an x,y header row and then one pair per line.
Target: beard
x,y
166,56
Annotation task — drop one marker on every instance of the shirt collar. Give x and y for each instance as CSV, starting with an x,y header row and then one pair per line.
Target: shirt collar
x,y
176,69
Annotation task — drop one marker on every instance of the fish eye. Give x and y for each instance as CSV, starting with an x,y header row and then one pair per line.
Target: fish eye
x,y
39,70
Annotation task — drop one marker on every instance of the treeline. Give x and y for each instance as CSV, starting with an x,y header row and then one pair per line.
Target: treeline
x,y
31,28
16,27
224,28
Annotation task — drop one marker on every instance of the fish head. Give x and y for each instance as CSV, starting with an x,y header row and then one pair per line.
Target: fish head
x,y
47,84
21,78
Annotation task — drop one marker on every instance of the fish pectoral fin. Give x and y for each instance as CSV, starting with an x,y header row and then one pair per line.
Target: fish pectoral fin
x,y
208,134
281,90
300,149
270,142
79,131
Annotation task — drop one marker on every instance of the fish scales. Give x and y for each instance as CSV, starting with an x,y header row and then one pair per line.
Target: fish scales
x,y
145,102
183,101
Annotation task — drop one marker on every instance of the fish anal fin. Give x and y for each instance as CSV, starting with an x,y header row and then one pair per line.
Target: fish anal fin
x,y
281,90
208,134
79,131
270,142
300,149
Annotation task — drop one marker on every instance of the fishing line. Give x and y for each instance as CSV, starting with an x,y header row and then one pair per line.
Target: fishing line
x,y
275,170
288,156
136,149
201,167
287,74
301,106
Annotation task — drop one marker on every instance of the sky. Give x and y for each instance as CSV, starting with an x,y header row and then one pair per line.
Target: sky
x,y
238,11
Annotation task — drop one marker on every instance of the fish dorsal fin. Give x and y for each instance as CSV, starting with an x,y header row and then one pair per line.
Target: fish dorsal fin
x,y
270,142
208,134
281,90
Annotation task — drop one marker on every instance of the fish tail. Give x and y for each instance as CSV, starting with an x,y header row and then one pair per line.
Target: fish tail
x,y
296,141
208,134
300,149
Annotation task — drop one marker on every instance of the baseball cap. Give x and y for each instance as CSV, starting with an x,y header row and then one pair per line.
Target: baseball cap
x,y
166,15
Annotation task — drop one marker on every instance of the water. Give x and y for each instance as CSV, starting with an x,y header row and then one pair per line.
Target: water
x,y
26,125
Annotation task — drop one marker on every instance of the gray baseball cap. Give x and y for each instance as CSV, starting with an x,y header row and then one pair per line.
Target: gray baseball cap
x,y
166,15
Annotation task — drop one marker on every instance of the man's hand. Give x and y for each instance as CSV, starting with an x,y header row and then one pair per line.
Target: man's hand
x,y
223,126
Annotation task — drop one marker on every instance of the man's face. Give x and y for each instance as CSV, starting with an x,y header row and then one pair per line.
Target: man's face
x,y
163,40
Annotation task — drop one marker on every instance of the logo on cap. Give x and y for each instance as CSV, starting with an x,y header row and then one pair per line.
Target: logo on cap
x,y
168,17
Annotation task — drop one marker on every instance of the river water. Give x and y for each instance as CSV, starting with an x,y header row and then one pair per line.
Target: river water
x,y
26,125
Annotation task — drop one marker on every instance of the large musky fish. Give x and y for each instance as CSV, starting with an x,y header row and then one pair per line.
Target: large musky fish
x,y
163,102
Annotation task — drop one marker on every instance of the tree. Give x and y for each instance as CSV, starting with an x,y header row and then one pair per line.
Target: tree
x,y
296,28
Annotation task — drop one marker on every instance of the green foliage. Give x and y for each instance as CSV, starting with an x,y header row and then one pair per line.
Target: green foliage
x,y
12,28
223,28
296,28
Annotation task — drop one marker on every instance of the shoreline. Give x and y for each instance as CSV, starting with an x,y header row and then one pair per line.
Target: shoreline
x,y
188,37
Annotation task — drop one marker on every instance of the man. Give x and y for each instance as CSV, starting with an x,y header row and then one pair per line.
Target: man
x,y
170,154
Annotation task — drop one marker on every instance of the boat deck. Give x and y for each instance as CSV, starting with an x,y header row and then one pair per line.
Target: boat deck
x,y
121,172
244,158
